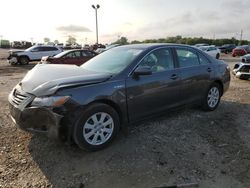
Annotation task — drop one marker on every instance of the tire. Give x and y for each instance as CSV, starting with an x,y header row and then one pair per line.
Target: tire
x,y
96,128
217,56
212,98
24,60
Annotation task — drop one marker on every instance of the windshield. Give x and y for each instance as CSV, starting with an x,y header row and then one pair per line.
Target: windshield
x,y
112,61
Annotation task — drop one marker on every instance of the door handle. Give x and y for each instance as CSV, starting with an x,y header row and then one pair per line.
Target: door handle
x,y
209,69
174,77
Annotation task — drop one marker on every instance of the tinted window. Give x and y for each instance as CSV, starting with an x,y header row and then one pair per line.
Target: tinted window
x,y
187,58
48,49
86,53
75,54
89,53
159,60
37,49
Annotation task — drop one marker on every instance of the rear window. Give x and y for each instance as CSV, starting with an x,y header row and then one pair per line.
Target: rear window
x,y
187,58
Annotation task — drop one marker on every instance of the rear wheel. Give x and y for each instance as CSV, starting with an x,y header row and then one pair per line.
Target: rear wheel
x,y
24,60
217,56
212,98
97,127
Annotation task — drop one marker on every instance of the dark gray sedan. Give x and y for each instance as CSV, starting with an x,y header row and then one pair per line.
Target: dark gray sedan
x,y
90,103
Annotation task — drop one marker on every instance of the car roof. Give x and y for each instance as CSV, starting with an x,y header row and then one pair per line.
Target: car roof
x,y
145,46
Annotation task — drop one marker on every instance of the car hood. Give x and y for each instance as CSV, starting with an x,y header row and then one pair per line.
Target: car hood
x,y
11,52
46,79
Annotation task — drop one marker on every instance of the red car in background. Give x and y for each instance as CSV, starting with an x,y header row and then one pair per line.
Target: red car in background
x,y
241,50
74,57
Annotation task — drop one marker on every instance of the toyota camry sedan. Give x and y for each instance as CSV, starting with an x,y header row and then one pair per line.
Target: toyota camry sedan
x,y
91,103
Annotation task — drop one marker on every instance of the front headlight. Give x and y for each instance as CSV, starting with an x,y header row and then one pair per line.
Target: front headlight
x,y
52,101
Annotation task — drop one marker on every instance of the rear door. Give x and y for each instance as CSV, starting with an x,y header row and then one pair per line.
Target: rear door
x,y
36,53
195,70
154,93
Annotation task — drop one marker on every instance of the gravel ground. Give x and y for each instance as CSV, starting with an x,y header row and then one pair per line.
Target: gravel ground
x,y
186,146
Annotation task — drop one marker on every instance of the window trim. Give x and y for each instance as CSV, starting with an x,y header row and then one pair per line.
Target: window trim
x,y
202,55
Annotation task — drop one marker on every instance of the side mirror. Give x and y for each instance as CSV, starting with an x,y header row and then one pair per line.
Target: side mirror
x,y
142,70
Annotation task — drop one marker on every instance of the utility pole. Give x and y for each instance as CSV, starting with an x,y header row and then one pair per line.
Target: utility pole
x,y
241,36
96,21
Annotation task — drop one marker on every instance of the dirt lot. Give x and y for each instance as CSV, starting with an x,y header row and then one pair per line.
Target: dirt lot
x,y
186,146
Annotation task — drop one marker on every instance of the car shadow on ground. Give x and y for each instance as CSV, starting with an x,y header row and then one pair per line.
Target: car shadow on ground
x,y
187,145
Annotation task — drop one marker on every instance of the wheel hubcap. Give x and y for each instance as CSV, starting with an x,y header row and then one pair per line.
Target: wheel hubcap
x,y
98,128
213,97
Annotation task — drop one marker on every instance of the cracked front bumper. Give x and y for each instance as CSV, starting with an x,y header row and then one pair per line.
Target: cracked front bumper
x,y
36,119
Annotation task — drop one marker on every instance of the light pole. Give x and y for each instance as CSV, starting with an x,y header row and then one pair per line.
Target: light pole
x,y
96,7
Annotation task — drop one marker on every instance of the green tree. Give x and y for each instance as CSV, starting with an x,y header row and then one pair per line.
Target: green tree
x,y
121,41
46,40
56,41
71,40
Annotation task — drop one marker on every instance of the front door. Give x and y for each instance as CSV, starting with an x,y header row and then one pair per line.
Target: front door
x,y
150,94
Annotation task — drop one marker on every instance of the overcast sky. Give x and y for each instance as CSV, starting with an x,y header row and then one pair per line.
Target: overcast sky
x,y
134,19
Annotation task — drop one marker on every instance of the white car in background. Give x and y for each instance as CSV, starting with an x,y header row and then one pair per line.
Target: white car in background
x,y
211,50
34,53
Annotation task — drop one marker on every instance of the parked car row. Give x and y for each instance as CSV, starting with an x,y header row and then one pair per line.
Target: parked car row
x,y
49,55
227,48
89,104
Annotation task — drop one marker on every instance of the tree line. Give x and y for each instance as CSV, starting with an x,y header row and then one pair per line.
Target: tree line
x,y
185,40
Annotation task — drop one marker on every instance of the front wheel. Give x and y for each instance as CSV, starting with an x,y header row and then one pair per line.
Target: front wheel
x,y
212,98
24,60
217,56
97,127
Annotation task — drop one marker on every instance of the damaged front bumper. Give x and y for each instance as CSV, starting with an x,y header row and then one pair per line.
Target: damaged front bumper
x,y
12,60
36,119
242,70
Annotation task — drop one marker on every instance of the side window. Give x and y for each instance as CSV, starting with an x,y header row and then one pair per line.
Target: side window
x,y
53,49
187,58
159,60
203,60
85,54
37,49
88,53
77,54
45,49
70,55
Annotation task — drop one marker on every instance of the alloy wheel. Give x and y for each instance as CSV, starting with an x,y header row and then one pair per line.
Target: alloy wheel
x,y
98,128
213,97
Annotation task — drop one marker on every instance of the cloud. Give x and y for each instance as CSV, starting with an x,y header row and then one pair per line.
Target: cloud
x,y
236,7
205,23
73,29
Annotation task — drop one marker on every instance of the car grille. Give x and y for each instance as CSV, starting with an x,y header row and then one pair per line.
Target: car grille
x,y
245,69
18,98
